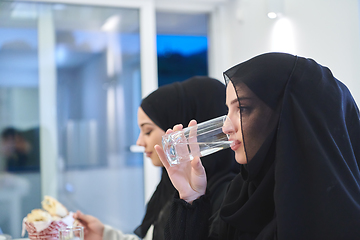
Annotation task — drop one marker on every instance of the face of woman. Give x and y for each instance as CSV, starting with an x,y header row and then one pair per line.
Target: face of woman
x,y
150,135
253,121
234,116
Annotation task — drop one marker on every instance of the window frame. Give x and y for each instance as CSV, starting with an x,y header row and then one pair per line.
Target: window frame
x,y
147,12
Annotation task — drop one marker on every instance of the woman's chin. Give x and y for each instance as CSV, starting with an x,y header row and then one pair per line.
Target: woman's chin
x,y
240,158
156,162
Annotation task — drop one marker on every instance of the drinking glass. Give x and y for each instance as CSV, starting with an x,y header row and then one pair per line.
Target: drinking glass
x,y
71,233
197,141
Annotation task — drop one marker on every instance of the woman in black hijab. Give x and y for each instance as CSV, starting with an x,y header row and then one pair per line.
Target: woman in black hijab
x,y
297,137
199,98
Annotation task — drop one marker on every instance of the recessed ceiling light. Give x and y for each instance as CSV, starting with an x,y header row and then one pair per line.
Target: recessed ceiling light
x,y
272,15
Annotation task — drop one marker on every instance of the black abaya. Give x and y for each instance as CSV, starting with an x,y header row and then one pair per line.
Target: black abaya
x,y
309,185
302,178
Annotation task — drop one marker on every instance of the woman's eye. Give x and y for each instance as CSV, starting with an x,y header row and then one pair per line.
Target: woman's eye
x,y
243,109
148,132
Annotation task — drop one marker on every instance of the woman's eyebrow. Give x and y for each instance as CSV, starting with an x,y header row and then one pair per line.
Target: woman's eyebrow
x,y
141,125
234,101
239,100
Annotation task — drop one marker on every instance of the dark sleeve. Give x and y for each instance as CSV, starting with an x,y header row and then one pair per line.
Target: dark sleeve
x,y
216,200
161,221
189,221
199,220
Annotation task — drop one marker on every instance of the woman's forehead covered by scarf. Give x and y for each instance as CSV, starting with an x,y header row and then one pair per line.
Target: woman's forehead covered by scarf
x,y
265,75
200,98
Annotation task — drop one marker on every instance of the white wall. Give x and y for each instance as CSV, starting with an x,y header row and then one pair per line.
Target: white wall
x,y
325,30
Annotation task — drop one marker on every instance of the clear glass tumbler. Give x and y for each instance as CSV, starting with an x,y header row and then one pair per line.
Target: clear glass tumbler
x,y
71,233
197,141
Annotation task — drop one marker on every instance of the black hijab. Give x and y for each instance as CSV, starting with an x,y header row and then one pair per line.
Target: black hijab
x,y
302,179
199,98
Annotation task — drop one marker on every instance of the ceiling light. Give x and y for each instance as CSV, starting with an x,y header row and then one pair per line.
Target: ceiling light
x,y
272,15
275,8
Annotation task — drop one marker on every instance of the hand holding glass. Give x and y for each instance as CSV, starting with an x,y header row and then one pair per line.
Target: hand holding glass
x,y
197,141
71,233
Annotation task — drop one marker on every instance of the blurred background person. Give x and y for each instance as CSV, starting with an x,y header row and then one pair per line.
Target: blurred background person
x,y
20,149
19,154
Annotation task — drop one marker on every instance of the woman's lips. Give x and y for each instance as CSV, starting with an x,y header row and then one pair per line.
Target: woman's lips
x,y
235,145
148,154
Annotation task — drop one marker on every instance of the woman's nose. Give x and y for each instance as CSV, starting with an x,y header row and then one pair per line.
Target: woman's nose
x,y
228,127
140,141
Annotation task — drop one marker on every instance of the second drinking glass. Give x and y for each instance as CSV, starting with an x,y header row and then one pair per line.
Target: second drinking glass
x,y
71,233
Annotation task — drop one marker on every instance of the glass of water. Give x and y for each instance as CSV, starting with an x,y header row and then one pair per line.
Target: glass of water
x,y
71,233
197,141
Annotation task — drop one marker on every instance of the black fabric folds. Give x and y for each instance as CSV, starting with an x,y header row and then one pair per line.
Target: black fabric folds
x,y
302,179
199,98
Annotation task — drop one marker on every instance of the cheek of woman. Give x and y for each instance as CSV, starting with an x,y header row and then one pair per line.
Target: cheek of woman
x,y
155,139
155,159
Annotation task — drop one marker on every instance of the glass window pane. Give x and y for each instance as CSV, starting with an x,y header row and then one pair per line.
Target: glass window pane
x,y
97,51
182,46
19,116
98,92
